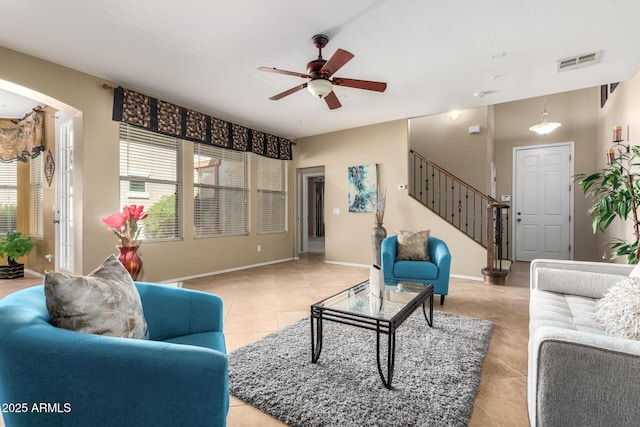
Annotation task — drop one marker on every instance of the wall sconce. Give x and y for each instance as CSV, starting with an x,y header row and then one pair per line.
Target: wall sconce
x,y
617,142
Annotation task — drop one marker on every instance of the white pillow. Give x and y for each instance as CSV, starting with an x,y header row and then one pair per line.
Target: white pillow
x,y
619,310
636,271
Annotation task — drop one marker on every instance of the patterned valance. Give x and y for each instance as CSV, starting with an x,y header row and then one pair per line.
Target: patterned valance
x,y
163,117
22,139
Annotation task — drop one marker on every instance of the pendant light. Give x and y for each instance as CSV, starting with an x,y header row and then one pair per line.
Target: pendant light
x,y
545,127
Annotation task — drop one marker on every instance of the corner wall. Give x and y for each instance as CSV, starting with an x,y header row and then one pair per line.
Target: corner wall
x,y
621,109
348,235
96,187
577,111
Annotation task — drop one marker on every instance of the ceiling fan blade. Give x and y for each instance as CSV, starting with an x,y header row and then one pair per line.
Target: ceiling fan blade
x,y
336,62
360,84
288,73
288,92
332,101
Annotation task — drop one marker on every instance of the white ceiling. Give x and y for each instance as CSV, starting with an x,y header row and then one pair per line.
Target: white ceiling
x,y
434,54
13,105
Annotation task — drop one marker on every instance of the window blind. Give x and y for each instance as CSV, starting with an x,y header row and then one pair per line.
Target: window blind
x,y
8,196
220,192
272,196
151,161
36,166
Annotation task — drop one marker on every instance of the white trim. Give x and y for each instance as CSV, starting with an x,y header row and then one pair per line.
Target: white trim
x,y
348,264
229,270
33,273
304,218
571,145
462,276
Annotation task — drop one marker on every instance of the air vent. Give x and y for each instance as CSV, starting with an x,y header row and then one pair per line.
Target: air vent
x,y
579,61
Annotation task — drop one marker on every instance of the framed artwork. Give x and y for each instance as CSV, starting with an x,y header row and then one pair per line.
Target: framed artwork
x,y
363,184
49,167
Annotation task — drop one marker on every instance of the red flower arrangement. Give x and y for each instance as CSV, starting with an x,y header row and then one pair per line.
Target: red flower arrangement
x,y
125,224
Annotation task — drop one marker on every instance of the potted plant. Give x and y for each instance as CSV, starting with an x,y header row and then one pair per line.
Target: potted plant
x,y
13,246
615,191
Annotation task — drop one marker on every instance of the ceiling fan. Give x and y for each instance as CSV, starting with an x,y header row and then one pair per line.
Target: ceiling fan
x,y
319,72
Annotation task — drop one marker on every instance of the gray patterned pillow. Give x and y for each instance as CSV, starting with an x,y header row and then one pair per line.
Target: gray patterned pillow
x,y
106,302
618,311
412,246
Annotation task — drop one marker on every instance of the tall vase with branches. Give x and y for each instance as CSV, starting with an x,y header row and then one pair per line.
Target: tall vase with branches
x,y
615,191
379,232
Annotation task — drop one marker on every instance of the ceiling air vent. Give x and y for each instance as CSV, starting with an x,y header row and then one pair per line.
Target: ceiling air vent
x,y
579,61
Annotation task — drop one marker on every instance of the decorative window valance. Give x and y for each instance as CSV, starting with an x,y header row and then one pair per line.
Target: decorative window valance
x,y
163,117
21,139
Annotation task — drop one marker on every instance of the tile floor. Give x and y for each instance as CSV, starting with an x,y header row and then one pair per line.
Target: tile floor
x,y
261,300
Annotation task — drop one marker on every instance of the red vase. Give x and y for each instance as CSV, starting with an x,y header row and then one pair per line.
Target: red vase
x,y
131,260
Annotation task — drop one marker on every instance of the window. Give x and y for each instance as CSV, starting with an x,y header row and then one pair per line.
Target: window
x,y
220,192
8,196
151,161
36,174
137,190
272,197
137,186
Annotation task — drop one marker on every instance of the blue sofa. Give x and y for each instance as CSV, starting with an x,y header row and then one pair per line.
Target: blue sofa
x,y
435,272
54,376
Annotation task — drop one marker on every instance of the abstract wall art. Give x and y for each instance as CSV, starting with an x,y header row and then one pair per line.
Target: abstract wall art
x,y
363,184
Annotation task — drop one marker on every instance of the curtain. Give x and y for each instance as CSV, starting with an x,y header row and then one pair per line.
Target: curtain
x,y
162,117
21,140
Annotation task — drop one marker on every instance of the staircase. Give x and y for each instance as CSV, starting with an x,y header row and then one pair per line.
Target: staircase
x,y
479,216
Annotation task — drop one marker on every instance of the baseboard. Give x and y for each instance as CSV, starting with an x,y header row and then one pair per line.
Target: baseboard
x,y
348,264
462,276
229,270
34,273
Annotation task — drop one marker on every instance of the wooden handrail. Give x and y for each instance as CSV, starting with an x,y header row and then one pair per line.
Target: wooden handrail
x,y
452,176
478,215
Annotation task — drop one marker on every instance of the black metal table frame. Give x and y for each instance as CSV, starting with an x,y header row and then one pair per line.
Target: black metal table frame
x,y
381,326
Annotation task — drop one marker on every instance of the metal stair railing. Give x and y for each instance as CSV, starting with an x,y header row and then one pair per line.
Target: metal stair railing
x,y
481,217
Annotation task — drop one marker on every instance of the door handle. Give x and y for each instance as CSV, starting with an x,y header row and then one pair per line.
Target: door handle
x,y
56,221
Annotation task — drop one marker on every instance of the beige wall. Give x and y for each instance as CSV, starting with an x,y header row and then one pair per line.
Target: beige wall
x,y
577,111
348,235
621,109
97,176
448,143
503,127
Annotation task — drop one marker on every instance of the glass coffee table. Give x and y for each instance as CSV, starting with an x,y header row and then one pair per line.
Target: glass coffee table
x,y
357,307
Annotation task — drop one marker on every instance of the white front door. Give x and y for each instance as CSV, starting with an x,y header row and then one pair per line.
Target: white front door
x,y
543,201
64,194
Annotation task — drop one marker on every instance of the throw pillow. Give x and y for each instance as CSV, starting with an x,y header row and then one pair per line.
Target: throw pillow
x,y
619,310
636,271
106,302
413,246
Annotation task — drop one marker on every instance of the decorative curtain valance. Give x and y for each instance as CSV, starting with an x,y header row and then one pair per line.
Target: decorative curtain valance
x,y
21,140
163,117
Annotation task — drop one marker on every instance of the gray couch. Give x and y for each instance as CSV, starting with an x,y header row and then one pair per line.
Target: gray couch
x,y
578,375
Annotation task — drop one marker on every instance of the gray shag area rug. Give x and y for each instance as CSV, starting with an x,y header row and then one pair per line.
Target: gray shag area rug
x,y
435,380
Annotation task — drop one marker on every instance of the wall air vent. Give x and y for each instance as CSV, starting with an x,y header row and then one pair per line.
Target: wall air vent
x,y
579,61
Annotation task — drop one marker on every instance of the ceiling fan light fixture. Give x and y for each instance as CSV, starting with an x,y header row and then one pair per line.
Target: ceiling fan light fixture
x,y
545,127
320,87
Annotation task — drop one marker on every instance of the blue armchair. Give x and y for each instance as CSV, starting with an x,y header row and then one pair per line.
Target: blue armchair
x,y
435,272
54,376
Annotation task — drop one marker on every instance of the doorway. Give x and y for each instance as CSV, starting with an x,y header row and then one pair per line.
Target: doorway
x,y
543,201
63,220
311,222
